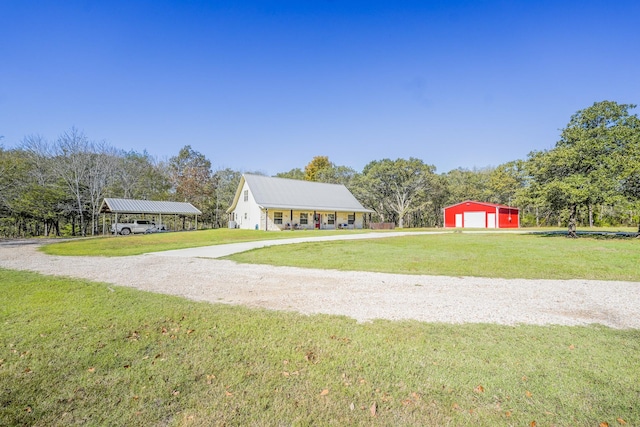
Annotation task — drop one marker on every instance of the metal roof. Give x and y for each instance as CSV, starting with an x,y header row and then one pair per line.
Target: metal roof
x,y
284,193
130,206
493,205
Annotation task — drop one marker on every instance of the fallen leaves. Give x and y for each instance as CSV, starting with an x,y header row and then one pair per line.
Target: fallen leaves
x,y
310,357
621,421
479,389
324,392
343,339
373,409
415,398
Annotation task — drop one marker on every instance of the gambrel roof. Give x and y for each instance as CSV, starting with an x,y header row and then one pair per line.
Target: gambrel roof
x,y
131,206
284,193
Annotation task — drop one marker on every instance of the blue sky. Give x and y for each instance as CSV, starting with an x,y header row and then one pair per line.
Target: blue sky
x,y
266,86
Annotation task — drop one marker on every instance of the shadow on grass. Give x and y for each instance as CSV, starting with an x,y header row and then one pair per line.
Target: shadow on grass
x,y
592,234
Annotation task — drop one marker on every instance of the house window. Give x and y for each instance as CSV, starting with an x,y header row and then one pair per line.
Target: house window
x,y
304,218
351,219
277,217
245,215
246,195
331,219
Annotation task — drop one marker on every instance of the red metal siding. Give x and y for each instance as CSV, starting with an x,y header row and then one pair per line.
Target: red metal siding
x,y
506,217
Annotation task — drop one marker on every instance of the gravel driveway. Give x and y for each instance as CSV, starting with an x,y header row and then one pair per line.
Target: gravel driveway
x,y
360,295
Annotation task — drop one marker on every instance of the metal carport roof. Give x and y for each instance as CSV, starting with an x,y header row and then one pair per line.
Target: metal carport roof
x,y
131,206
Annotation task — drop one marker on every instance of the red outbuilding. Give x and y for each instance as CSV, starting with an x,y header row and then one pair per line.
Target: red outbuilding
x,y
470,214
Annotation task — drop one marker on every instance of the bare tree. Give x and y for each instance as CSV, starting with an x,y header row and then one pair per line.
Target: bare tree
x,y
86,167
102,165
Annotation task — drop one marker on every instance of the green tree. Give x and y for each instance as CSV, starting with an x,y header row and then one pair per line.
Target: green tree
x,y
295,173
394,187
226,183
336,175
587,164
191,177
140,176
505,181
468,184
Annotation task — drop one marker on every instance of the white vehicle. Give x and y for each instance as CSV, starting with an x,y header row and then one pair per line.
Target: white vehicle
x,y
137,226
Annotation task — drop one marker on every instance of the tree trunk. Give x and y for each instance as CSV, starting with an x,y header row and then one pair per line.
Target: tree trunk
x,y
572,221
590,216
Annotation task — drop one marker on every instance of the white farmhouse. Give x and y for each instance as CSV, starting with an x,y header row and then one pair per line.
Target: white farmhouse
x,y
274,204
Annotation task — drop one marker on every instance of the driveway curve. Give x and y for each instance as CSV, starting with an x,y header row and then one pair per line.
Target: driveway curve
x,y
363,296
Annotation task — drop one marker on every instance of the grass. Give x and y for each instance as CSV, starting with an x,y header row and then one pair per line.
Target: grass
x,y
463,254
76,352
145,243
503,255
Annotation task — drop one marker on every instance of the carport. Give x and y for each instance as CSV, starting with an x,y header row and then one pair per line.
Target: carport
x,y
115,207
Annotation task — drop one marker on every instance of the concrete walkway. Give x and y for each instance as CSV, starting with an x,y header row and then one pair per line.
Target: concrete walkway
x,y
219,251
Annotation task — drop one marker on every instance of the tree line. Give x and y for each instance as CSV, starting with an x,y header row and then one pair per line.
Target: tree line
x,y
591,177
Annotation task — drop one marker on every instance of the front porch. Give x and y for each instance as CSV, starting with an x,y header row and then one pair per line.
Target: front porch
x,y
281,219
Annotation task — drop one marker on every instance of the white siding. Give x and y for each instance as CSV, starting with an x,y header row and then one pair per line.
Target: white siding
x,y
247,214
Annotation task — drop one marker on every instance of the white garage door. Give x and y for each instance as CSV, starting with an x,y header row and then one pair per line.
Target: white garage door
x,y
475,220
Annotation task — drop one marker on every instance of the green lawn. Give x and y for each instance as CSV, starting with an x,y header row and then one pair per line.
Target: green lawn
x,y
145,243
76,352
463,254
455,254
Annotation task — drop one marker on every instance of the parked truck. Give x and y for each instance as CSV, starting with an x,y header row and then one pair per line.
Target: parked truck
x,y
137,226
